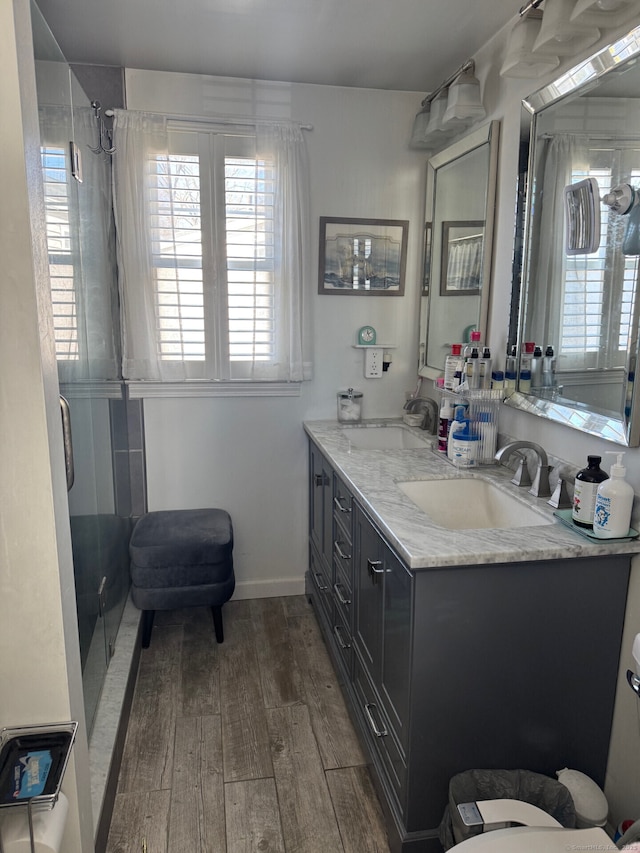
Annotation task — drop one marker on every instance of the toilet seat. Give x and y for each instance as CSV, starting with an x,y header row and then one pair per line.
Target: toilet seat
x,y
537,839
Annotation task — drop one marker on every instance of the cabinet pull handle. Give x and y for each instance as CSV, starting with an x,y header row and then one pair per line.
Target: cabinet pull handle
x,y
375,567
338,630
340,552
318,479
343,507
377,730
338,591
319,583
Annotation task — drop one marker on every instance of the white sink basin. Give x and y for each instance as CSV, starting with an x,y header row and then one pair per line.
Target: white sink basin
x,y
384,438
470,503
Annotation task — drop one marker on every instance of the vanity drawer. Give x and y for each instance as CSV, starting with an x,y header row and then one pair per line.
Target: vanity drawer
x,y
380,732
342,507
321,584
343,639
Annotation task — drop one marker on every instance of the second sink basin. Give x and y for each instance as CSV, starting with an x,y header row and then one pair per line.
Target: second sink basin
x,y
384,438
471,503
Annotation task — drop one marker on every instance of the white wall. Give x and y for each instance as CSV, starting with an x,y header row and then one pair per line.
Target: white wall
x,y
248,455
39,656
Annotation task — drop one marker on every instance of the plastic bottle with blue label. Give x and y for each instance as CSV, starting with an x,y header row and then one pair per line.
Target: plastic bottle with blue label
x,y
614,503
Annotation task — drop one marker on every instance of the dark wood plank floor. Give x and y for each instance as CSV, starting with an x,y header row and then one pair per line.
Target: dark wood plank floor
x,y
245,747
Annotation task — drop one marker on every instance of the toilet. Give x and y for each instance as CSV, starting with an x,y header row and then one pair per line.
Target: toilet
x,y
538,832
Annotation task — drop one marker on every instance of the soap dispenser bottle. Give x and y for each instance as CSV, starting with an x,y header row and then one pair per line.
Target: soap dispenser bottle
x,y
614,502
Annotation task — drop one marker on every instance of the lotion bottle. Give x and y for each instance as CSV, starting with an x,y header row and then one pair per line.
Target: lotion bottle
x,y
614,502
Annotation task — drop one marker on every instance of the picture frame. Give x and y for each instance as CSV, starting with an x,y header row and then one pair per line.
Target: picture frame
x,y
462,253
426,260
362,257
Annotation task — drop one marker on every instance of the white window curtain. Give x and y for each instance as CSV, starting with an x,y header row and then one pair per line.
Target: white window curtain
x,y
139,139
558,157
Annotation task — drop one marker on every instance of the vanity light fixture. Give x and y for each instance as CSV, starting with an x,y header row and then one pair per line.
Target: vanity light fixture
x,y
418,134
559,34
520,60
605,13
464,101
436,126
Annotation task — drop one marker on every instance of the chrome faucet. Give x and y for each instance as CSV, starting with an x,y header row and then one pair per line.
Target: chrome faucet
x,y
540,487
427,408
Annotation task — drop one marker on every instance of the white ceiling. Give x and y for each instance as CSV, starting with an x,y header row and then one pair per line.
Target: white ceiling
x,y
382,44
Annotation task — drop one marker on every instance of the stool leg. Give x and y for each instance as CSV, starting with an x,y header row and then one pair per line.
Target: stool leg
x,y
147,627
217,623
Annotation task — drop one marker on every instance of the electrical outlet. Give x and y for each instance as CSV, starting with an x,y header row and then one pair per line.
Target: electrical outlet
x,y
373,362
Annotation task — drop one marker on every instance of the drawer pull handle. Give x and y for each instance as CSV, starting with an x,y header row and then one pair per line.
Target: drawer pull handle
x,y
320,480
338,591
376,729
340,552
342,504
338,631
375,567
319,582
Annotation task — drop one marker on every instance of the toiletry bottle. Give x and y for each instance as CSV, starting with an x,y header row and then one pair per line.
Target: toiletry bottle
x,y
511,372
497,380
549,368
585,490
485,368
464,446
536,368
446,413
457,424
526,357
453,367
614,503
472,369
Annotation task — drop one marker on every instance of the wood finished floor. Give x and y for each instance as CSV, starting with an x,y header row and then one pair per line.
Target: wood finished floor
x,y
245,747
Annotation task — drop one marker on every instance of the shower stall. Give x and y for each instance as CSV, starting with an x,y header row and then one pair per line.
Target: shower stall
x,y
76,172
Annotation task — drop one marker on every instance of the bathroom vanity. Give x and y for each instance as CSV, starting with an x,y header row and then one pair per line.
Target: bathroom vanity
x,y
458,648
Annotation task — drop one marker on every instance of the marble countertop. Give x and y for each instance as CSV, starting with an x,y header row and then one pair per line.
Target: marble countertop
x,y
372,477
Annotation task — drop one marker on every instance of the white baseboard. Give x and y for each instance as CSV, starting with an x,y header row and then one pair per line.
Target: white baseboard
x,y
272,588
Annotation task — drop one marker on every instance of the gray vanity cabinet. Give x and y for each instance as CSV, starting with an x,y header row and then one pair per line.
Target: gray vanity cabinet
x,y
500,665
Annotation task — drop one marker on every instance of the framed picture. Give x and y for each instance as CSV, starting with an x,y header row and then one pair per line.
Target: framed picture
x,y
365,257
462,250
426,264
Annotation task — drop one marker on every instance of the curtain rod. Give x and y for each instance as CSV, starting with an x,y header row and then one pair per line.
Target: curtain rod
x,y
469,65
230,119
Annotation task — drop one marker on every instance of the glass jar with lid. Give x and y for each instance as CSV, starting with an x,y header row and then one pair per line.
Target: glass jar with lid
x,y
349,406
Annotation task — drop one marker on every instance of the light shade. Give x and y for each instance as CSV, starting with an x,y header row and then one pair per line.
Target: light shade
x,y
559,34
418,134
464,102
520,60
435,128
605,13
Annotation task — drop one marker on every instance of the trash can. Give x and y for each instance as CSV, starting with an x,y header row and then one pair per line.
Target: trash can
x,y
534,788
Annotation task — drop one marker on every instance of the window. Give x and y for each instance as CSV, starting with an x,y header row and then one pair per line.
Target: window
x,y
599,288
61,269
212,235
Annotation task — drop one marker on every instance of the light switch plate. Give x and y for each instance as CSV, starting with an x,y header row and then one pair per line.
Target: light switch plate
x,y
373,362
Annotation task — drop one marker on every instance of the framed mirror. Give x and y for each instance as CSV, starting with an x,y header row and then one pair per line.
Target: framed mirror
x,y
460,203
580,297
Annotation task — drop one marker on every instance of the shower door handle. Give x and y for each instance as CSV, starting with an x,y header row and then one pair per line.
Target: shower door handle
x,y
68,444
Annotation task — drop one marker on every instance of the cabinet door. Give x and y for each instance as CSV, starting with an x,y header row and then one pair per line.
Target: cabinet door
x,y
396,643
320,515
369,588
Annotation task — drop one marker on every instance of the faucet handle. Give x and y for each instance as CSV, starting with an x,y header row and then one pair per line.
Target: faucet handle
x,y
560,498
521,476
541,487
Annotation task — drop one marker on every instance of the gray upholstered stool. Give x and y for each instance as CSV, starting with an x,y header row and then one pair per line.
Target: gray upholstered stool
x,y
182,558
